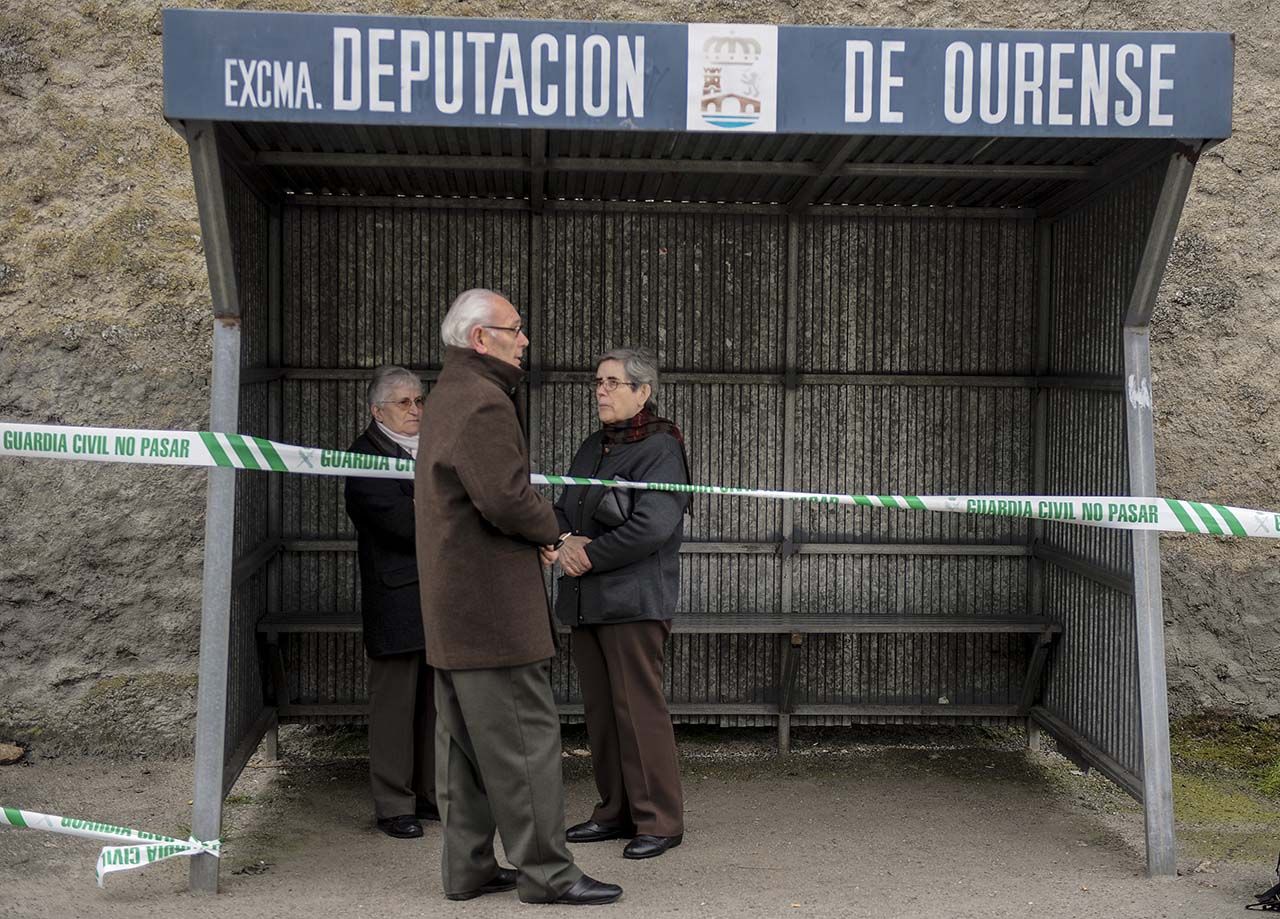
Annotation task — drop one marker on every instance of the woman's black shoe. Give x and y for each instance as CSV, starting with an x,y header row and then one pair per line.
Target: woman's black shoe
x,y
649,846
406,826
590,831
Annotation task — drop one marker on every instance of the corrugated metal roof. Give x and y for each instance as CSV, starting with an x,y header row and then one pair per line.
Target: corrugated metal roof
x,y
782,169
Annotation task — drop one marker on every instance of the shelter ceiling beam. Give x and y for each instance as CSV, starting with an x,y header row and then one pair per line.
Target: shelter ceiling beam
x,y
683,167
814,186
537,170
408,201
238,156
390,161
251,376
215,231
835,211
1164,225
658,165
966,171
1109,173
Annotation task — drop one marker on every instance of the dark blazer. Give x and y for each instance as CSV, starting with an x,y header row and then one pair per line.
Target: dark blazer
x,y
382,511
635,567
480,522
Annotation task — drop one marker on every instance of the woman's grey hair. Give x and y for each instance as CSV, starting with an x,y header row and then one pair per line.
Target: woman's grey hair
x,y
387,378
639,364
469,309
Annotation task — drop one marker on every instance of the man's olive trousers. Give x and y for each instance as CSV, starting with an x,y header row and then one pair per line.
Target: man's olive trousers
x,y
498,768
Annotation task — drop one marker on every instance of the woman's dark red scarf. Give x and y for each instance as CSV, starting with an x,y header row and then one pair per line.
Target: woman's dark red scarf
x,y
645,424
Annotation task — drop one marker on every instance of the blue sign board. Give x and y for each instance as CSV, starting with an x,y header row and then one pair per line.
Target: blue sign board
x,y
706,77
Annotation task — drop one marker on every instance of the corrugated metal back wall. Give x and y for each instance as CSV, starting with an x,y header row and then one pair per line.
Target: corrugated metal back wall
x,y
1092,682
249,221
912,295
882,293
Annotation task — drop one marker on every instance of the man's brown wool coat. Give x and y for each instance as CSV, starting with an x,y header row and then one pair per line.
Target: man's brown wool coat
x,y
479,522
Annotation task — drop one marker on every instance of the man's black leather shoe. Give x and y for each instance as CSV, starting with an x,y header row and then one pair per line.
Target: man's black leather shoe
x,y
406,826
505,879
586,891
649,846
427,811
590,831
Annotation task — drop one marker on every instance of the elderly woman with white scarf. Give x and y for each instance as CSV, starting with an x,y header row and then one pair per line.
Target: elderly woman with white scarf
x,y
401,684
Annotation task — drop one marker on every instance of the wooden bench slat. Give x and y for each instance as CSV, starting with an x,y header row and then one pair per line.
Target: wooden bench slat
x,y
273,625
834,623
738,623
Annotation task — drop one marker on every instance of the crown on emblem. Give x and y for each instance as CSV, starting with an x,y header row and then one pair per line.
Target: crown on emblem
x,y
728,49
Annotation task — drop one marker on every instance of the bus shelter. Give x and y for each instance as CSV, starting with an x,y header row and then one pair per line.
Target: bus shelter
x,y
884,261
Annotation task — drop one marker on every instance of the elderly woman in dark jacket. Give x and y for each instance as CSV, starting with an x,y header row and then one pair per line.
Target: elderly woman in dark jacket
x,y
402,710
619,591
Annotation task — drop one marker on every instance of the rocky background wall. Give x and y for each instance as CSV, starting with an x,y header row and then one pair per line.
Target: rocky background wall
x,y
105,319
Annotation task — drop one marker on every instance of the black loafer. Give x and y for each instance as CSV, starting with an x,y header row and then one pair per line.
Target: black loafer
x,y
406,826
590,831
427,811
586,891
649,846
504,880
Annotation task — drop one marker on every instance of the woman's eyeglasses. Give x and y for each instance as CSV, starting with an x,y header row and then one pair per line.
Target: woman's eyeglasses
x,y
609,384
406,404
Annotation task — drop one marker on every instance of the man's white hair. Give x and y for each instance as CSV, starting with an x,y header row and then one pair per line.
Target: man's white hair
x,y
469,309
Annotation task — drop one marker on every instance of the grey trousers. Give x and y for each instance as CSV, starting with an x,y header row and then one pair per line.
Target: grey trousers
x,y
498,768
402,716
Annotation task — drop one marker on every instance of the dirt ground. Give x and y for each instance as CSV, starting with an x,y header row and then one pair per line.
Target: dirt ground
x,y
854,823
105,319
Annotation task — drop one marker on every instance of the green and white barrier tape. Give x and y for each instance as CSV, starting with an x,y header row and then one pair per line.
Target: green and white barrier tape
x,y
138,850
240,451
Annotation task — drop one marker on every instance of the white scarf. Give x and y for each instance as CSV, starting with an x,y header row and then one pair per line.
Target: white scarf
x,y
408,442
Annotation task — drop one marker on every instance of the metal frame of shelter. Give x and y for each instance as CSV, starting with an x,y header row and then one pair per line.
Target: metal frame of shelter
x,y
867,288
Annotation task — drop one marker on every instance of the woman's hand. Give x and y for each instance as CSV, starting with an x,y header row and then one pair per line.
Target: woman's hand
x,y
573,556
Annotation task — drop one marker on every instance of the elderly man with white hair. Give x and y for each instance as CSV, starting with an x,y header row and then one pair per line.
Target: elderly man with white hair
x,y
481,530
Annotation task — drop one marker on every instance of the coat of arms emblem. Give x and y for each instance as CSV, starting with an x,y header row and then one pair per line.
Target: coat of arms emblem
x,y
732,77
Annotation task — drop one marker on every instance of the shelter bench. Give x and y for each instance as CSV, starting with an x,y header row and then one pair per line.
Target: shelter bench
x,y
791,630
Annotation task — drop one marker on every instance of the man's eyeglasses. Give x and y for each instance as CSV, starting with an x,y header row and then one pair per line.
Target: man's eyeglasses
x,y
609,384
515,330
406,404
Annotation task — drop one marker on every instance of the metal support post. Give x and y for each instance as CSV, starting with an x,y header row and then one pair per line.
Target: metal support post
x,y
271,742
1157,775
788,667
787,557
215,616
535,318
219,549
275,425
1040,410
